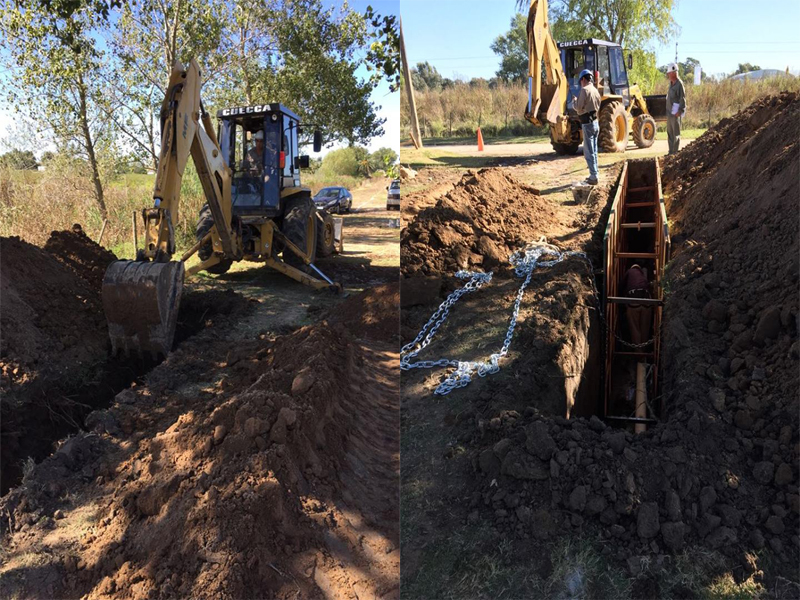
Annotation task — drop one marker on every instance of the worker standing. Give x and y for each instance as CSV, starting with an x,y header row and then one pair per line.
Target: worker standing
x,y
676,107
587,105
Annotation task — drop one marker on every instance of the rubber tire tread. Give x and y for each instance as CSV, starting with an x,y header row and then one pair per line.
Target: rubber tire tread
x,y
323,250
606,141
204,224
638,126
295,216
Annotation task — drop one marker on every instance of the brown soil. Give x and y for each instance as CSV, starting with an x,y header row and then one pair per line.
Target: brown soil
x,y
54,337
484,218
237,470
86,258
372,314
714,484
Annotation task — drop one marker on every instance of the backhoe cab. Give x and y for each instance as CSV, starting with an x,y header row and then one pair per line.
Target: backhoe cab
x,y
260,146
552,90
256,210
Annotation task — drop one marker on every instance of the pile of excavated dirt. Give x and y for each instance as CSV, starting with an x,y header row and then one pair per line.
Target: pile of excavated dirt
x,y
477,224
239,468
86,258
721,142
54,336
372,314
52,318
720,472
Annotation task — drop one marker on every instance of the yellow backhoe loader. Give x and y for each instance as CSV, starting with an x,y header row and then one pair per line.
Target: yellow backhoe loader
x,y
623,108
256,210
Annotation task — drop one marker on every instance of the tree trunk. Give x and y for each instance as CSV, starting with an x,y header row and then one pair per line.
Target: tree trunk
x,y
89,143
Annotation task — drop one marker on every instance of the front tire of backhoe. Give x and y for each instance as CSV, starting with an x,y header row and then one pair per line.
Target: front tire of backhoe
x,y
613,128
295,227
644,131
204,225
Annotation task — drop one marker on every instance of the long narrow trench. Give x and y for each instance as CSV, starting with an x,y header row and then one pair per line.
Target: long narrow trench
x,y
600,351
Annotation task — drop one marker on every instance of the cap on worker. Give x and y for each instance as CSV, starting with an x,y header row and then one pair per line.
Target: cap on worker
x,y
258,135
672,68
585,73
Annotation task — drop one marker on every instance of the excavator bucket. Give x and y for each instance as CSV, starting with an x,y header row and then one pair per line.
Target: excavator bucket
x,y
141,302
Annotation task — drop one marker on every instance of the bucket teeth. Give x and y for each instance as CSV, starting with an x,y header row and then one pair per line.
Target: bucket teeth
x,y
141,302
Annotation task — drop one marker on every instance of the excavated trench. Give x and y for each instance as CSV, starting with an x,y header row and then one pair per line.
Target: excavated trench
x,y
53,411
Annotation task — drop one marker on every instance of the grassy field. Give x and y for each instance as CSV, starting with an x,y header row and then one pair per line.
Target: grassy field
x,y
456,112
35,203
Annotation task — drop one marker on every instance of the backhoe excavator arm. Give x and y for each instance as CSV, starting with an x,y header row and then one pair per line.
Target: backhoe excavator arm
x,y
552,97
141,297
186,129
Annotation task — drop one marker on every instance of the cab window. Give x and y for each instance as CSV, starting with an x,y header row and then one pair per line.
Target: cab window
x,y
288,148
602,65
619,76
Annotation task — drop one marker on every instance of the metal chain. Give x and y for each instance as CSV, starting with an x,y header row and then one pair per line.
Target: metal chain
x,y
524,262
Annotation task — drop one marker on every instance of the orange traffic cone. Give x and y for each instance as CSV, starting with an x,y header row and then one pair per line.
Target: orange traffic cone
x,y
480,140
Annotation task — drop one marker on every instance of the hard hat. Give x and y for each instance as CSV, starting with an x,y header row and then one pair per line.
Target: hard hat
x,y
258,135
672,68
586,73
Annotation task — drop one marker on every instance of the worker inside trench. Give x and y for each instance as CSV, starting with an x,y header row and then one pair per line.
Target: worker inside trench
x,y
53,412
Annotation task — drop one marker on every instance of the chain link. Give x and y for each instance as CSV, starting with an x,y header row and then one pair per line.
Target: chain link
x,y
524,261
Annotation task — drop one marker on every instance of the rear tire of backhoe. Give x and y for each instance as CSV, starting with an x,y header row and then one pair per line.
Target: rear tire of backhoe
x,y
613,128
204,225
644,131
295,222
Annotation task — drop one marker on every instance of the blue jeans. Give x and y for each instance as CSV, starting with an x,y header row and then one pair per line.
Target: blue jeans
x,y
590,131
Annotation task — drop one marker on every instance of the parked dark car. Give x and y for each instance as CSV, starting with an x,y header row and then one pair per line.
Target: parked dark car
x,y
334,199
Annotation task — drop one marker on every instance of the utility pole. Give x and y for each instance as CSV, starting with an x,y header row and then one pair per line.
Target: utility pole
x,y
676,52
416,138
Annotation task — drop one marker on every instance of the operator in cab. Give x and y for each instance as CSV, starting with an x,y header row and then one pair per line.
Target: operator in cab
x,y
587,105
253,163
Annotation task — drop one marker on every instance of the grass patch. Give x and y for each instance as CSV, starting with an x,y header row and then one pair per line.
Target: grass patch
x,y
686,134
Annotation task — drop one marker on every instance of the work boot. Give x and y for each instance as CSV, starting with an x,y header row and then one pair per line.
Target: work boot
x,y
591,181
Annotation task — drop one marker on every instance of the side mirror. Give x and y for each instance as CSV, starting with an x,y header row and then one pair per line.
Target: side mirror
x,y
317,140
630,60
303,161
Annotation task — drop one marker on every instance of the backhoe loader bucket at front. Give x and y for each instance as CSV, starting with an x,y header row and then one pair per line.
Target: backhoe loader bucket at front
x,y
141,302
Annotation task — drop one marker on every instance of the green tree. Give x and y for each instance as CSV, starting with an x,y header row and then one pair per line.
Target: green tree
x,y
746,68
383,55
635,23
58,78
512,47
306,56
149,37
381,158
19,159
425,77
352,161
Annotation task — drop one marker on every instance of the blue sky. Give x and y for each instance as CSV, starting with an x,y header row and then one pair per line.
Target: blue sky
x,y
455,35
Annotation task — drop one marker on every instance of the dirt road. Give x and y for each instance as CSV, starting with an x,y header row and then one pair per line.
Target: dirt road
x,y
536,150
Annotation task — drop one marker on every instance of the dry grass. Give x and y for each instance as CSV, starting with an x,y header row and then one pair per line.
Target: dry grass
x,y
500,110
33,204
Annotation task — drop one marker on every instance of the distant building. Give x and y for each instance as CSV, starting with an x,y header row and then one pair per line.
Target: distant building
x,y
760,74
